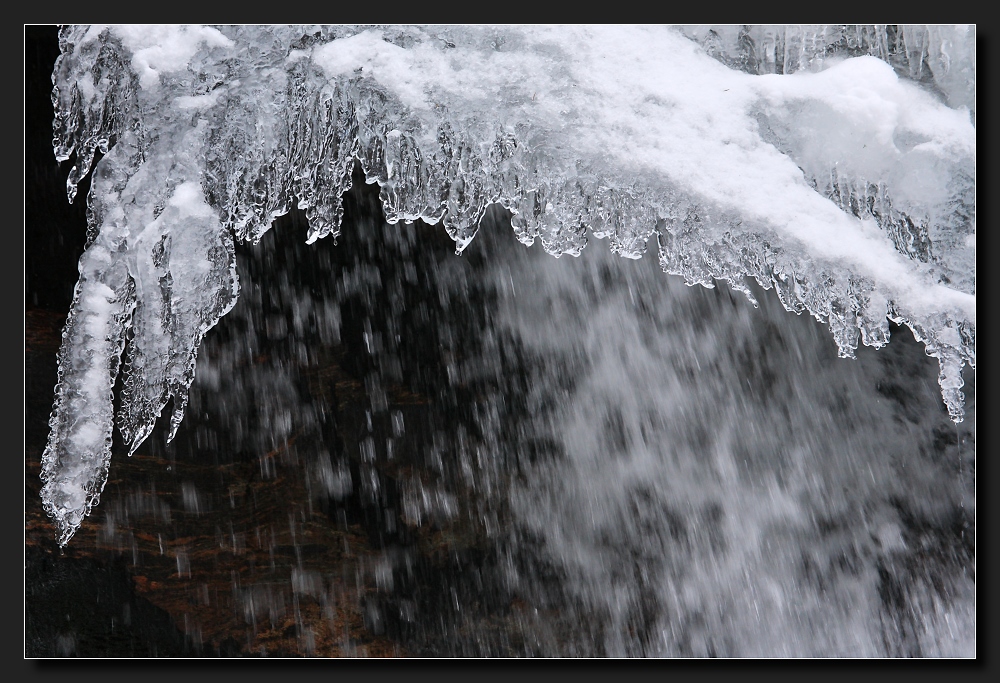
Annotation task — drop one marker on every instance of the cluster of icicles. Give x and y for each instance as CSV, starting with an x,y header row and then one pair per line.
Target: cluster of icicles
x,y
208,134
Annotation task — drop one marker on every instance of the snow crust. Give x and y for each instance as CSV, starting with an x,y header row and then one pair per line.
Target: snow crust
x,y
839,174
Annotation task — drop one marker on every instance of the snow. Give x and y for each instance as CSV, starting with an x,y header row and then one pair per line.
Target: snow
x,y
160,49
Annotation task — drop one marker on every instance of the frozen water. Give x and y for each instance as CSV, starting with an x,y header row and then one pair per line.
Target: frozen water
x,y
842,175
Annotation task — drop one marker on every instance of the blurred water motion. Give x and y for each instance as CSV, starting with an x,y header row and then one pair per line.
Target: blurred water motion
x,y
392,450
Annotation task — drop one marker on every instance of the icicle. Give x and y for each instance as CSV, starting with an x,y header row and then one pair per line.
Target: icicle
x,y
76,458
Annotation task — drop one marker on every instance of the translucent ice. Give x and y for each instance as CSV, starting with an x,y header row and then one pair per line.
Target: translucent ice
x,y
835,164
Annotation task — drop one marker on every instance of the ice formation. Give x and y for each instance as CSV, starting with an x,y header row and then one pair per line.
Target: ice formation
x,y
834,164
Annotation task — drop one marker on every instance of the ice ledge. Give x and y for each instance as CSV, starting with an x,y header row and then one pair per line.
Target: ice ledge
x,y
624,133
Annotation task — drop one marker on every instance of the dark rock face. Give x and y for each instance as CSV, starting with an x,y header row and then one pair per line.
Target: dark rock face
x,y
82,607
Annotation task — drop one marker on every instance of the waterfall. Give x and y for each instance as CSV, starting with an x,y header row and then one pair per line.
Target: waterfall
x,y
621,457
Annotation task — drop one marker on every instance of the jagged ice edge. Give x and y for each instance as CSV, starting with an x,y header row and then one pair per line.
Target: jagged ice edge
x,y
462,178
